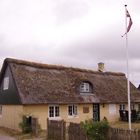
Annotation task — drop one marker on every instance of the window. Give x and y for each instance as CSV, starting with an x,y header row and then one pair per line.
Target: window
x,y
132,106
122,107
112,109
6,83
0,109
54,111
72,110
86,87
138,107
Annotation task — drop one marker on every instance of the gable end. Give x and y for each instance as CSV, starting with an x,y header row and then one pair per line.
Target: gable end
x,y
8,90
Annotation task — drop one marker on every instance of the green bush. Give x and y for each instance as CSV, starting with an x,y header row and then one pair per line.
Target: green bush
x,y
96,130
25,126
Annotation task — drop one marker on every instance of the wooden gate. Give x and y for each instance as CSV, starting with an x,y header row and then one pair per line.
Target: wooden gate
x,y
35,126
56,129
75,132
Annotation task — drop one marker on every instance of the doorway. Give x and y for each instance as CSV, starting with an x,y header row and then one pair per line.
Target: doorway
x,y
96,112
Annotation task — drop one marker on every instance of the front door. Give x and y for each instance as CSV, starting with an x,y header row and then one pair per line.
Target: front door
x,y
96,112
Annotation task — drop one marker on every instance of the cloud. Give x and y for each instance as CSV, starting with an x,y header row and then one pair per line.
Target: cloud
x,y
77,33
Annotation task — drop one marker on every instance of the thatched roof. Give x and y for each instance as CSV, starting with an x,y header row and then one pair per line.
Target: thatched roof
x,y
41,83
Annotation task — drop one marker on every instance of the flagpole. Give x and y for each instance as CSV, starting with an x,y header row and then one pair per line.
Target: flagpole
x,y
128,82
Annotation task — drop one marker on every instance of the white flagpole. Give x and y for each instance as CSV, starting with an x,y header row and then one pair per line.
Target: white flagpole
x,y
128,82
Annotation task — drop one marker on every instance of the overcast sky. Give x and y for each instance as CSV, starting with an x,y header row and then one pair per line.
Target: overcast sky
x,y
77,33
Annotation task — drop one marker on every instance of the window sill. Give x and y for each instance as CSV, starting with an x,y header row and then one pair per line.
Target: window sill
x,y
86,93
73,116
55,118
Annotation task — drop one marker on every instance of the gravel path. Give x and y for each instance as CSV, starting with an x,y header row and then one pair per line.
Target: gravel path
x,y
3,137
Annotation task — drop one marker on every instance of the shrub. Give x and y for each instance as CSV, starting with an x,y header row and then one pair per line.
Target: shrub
x,y
25,125
96,130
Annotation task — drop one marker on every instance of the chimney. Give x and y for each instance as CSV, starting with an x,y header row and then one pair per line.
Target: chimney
x,y
101,67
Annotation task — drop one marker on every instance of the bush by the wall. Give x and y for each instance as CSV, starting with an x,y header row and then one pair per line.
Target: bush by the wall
x,y
25,125
96,130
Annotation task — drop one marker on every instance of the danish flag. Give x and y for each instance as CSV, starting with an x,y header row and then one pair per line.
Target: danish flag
x,y
130,22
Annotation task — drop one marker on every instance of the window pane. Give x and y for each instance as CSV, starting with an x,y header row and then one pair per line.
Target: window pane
x,y
70,110
132,106
122,107
84,87
51,111
87,87
138,107
6,83
56,111
75,110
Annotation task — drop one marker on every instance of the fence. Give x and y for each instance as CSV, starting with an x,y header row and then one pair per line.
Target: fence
x,y
57,130
122,134
35,126
75,132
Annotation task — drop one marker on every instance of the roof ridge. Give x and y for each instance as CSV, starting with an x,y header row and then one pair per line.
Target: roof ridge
x,y
58,67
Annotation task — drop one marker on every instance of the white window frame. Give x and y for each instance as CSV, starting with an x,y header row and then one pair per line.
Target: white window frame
x,y
6,83
72,110
84,87
132,106
54,111
122,106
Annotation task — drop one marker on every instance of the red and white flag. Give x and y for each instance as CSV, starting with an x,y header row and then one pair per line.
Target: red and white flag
x,y
130,22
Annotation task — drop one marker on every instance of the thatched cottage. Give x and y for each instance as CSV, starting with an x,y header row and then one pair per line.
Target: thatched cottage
x,y
57,92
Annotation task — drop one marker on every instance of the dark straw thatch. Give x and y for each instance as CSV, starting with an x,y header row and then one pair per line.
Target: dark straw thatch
x,y
41,83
